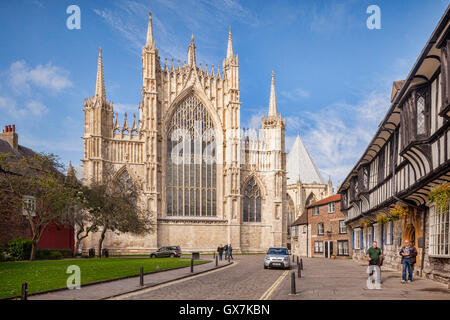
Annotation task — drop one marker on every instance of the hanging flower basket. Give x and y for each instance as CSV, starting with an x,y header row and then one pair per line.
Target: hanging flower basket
x,y
365,224
382,219
398,212
440,195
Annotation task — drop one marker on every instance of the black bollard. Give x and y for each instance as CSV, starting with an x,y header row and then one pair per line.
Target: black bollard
x,y
217,260
301,264
299,271
192,265
293,258
293,282
141,276
297,260
24,291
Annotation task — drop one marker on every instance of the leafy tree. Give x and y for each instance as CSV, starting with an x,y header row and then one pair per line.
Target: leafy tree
x,y
35,187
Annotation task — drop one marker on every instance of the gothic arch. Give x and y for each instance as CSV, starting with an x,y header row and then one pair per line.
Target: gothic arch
x,y
252,201
134,178
258,181
310,199
204,100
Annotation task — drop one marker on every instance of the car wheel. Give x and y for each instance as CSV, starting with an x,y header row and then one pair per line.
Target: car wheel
x,y
265,267
172,255
153,256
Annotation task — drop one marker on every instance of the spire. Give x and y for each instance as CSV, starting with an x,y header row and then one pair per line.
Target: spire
x,y
100,82
191,53
273,99
150,40
70,170
230,53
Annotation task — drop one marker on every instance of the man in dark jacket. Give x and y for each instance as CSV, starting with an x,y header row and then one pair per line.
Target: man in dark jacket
x,y
408,253
220,251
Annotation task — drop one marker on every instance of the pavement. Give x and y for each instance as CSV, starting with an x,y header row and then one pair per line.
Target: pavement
x,y
246,279
326,279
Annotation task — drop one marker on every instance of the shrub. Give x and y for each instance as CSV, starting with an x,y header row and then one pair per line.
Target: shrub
x,y
50,254
20,248
2,255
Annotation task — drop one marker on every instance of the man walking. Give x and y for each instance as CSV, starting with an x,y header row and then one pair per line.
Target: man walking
x,y
375,257
225,248
230,251
408,253
220,252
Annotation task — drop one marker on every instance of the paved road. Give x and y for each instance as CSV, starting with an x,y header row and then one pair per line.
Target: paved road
x,y
246,279
346,279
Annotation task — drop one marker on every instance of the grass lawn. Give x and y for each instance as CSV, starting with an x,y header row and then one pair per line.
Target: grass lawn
x,y
51,274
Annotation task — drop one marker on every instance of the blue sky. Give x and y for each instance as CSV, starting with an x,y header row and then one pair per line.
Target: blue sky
x,y
333,75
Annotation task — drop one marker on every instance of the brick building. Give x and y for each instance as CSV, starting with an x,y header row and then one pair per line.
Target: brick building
x,y
14,225
327,233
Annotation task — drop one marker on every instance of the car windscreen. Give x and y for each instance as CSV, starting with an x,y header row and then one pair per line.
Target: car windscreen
x,y
279,251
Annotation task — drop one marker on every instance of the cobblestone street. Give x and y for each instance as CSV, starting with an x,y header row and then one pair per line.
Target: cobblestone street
x,y
321,279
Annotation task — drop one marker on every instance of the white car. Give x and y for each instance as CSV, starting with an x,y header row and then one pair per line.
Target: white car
x,y
277,257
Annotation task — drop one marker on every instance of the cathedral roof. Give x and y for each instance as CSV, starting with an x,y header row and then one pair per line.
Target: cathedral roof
x,y
299,164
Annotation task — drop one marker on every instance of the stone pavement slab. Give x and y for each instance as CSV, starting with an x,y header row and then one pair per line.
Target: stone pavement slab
x,y
116,287
326,279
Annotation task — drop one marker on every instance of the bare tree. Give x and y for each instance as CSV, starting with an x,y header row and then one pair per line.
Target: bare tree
x,y
113,205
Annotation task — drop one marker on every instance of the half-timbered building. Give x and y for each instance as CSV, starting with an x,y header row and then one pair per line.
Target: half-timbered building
x,y
406,159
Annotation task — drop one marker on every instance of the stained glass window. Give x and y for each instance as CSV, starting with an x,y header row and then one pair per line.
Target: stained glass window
x,y
191,166
252,202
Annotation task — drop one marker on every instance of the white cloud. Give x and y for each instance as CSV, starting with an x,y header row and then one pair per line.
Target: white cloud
x,y
295,94
338,134
47,76
37,108
124,107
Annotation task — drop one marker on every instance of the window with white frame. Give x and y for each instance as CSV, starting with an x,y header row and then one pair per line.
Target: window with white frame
x,y
318,246
342,227
315,211
29,206
439,233
320,228
389,229
357,236
342,247
331,207
295,231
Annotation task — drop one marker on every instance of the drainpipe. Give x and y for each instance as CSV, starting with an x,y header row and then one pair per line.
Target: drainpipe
x,y
422,260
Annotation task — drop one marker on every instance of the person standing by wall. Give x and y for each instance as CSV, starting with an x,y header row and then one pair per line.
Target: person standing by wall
x,y
408,253
220,252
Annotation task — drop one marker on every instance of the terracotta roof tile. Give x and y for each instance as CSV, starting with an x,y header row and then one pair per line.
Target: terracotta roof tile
x,y
333,198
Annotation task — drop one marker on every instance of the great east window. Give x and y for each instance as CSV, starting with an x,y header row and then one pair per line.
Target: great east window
x,y
191,161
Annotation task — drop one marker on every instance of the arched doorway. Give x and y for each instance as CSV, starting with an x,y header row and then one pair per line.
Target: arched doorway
x,y
410,234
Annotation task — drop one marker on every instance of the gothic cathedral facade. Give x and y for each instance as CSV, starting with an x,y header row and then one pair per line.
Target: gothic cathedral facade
x,y
203,179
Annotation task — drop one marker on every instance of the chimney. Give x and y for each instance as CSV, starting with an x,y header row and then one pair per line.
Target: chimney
x,y
9,134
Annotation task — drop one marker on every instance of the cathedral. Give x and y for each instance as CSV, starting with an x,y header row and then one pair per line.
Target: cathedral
x,y
204,180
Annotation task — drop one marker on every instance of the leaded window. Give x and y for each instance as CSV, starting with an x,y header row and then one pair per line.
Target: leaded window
x,y
342,247
318,246
191,161
421,115
439,233
252,202
126,186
